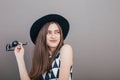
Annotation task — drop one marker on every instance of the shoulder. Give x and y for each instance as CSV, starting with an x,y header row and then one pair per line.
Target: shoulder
x,y
66,52
66,48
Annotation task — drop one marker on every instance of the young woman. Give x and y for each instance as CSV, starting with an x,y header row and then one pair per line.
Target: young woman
x,y
52,59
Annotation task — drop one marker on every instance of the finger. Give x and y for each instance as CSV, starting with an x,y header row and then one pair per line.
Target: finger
x,y
19,46
20,43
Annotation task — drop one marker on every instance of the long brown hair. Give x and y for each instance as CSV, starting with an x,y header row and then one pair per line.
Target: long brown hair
x,y
41,61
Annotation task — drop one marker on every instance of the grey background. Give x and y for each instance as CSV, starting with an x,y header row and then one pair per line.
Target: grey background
x,y
94,35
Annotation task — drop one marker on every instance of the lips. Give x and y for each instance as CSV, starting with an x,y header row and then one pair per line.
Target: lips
x,y
53,41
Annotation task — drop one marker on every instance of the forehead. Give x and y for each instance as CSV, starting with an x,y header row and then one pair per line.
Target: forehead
x,y
53,26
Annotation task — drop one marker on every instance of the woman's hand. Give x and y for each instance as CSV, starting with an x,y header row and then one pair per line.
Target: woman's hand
x,y
19,51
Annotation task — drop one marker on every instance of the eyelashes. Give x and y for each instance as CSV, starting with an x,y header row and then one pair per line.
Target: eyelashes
x,y
55,32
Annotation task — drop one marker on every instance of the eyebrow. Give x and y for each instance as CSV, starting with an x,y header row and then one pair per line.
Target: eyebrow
x,y
54,30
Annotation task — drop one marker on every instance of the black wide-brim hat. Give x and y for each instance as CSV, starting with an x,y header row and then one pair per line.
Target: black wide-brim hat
x,y
38,24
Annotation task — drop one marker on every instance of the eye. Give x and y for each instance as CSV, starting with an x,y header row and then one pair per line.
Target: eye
x,y
57,31
49,32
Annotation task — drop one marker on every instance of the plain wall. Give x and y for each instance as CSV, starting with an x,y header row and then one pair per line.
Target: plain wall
x,y
94,35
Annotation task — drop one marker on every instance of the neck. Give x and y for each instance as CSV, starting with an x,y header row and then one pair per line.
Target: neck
x,y
52,51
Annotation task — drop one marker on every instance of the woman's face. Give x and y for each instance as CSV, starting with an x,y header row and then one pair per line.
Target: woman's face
x,y
53,36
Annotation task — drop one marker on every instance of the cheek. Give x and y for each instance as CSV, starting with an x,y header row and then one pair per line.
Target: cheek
x,y
47,37
59,38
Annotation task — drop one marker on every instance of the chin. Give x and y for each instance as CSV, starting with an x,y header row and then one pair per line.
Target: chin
x,y
53,45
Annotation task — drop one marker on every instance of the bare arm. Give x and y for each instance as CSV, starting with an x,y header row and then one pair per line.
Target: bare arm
x,y
19,53
66,57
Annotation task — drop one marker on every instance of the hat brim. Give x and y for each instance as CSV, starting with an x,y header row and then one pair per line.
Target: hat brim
x,y
38,24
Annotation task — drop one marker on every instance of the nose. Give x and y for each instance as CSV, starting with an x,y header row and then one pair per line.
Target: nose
x,y
53,36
